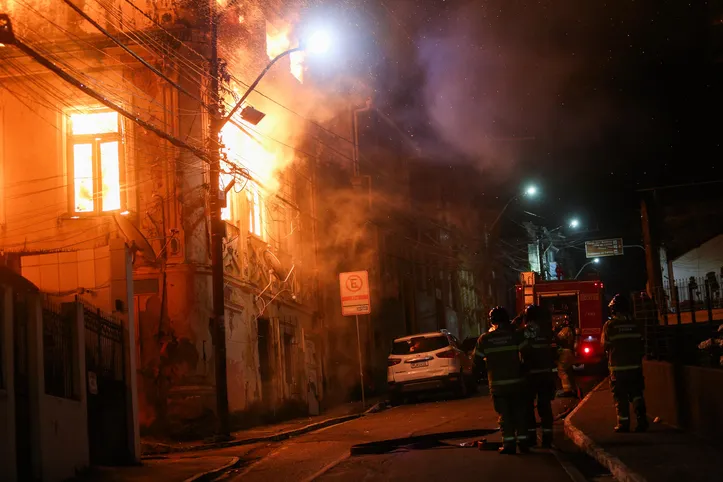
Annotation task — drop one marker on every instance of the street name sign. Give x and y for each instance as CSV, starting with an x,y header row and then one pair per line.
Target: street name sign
x,y
600,248
354,289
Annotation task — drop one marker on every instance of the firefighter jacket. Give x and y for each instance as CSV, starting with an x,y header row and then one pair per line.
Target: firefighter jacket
x,y
622,339
539,350
501,350
566,338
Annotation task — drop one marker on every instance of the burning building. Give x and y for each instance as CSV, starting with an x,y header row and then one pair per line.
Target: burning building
x,y
110,145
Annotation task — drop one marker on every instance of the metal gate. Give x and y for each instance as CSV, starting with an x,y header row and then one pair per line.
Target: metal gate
x,y
23,441
106,389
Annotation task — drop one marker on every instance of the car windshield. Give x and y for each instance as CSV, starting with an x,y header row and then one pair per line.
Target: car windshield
x,y
419,344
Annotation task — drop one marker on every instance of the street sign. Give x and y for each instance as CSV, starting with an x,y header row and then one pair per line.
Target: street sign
x,y
354,288
600,248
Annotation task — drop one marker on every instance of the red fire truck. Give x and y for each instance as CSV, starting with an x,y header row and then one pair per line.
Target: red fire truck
x,y
579,301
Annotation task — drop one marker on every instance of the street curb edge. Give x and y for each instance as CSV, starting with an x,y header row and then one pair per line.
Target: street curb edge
x,y
378,407
210,473
620,471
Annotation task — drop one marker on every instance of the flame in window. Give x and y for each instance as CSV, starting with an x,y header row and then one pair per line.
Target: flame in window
x,y
83,177
94,123
110,176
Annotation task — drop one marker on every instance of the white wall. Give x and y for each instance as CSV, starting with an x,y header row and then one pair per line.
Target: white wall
x,y
701,260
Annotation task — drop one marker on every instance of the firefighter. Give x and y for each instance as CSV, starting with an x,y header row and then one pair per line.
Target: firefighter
x,y
500,349
622,339
539,352
565,339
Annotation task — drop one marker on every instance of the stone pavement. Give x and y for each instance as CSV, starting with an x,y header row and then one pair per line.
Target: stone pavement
x,y
268,433
663,454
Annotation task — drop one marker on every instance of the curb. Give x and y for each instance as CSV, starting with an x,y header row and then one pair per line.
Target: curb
x,y
620,471
213,472
168,449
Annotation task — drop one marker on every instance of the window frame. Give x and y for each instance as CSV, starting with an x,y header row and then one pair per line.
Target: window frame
x,y
95,140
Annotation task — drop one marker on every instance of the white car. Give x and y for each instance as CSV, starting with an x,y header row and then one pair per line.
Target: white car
x,y
428,362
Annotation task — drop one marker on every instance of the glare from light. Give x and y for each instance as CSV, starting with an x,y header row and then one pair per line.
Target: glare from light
x,y
125,213
318,43
596,260
531,191
574,223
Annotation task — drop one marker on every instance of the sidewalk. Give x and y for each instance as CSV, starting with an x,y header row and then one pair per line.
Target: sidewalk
x,y
175,469
267,433
663,454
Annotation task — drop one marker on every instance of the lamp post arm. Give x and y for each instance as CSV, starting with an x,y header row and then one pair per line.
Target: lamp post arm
x,y
583,267
255,83
499,216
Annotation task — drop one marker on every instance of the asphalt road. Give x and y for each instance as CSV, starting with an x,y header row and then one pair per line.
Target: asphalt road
x,y
336,453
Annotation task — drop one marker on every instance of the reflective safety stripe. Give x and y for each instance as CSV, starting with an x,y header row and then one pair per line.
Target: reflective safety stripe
x,y
522,437
500,349
512,381
479,354
635,399
624,367
630,326
625,336
542,370
508,439
623,418
547,430
541,345
531,430
554,370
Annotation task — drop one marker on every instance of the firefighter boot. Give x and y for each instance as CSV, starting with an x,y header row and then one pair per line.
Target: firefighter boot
x,y
641,414
623,426
508,449
546,439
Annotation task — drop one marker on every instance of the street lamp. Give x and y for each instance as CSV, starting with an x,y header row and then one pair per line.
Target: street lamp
x,y
317,43
594,261
574,223
531,191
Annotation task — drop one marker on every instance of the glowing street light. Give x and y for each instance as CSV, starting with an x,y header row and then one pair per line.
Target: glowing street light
x,y
574,223
531,191
594,261
318,43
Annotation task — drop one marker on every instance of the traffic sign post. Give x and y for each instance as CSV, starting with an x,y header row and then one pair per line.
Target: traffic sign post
x,y
600,248
355,301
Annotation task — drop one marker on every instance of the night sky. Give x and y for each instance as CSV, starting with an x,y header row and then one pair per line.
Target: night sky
x,y
592,100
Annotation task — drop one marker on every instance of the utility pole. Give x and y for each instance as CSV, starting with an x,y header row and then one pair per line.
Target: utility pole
x,y
216,202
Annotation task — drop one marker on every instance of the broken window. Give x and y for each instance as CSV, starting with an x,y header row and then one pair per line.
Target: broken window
x,y
94,163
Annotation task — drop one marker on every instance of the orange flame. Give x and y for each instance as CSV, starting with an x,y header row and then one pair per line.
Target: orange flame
x,y
277,42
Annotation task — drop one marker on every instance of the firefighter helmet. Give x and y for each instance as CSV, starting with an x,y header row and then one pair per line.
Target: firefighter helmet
x,y
619,304
499,316
534,313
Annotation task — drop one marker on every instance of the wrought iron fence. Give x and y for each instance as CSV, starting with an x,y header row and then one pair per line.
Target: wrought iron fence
x,y
666,338
103,344
58,359
693,294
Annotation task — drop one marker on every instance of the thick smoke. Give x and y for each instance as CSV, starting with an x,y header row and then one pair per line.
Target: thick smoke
x,y
501,77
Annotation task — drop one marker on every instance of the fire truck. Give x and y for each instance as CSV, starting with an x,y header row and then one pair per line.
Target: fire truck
x,y
581,302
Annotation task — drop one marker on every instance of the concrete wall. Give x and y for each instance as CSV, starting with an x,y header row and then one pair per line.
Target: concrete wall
x,y
687,397
85,272
7,391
